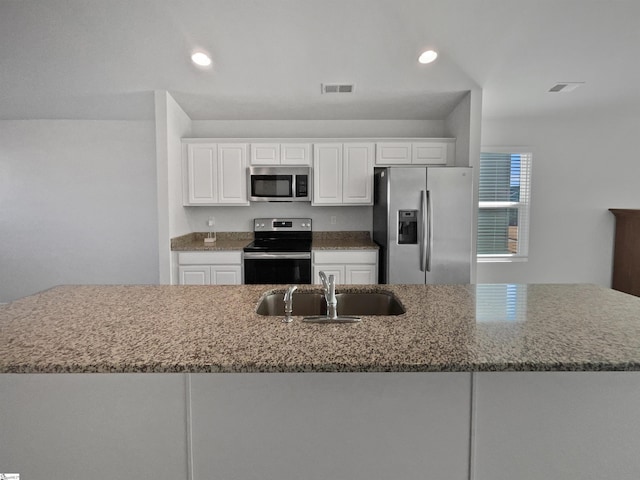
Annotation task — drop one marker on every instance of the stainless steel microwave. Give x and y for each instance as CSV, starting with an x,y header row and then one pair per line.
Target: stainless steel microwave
x,y
279,184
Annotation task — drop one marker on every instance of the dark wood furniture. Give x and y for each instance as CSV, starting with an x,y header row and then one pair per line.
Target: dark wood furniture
x,y
626,257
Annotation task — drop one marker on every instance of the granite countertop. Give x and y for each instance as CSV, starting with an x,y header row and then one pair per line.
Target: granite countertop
x,y
343,241
224,241
216,329
356,240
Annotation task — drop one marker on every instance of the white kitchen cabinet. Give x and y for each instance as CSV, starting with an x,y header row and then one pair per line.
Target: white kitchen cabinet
x,y
343,173
320,426
357,170
232,174
327,174
210,268
338,272
430,153
295,154
265,154
564,425
281,154
393,153
360,274
349,267
216,174
424,152
202,171
194,274
93,426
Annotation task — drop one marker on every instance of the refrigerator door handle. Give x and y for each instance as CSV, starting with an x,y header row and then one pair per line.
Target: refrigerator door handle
x,y
429,241
423,231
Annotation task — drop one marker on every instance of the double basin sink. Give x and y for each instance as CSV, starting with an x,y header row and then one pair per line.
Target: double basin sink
x,y
312,304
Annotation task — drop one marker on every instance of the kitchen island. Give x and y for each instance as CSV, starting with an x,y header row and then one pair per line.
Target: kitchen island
x,y
483,382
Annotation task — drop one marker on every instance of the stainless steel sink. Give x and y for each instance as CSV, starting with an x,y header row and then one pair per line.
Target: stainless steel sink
x,y
349,303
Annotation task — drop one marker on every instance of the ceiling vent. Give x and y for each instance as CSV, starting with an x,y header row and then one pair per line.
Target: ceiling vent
x,y
336,88
565,87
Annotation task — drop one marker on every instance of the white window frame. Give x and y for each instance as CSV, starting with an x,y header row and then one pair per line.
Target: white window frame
x,y
523,206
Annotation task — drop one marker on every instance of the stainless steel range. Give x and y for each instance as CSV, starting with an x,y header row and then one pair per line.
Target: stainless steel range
x,y
280,253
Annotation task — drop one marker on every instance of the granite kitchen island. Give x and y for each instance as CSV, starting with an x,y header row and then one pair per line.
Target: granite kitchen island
x,y
483,382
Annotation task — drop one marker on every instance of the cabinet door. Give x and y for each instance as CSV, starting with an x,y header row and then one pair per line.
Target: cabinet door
x,y
560,425
265,154
232,174
195,275
356,426
429,153
327,174
201,170
226,275
393,153
361,274
357,181
295,154
336,270
93,426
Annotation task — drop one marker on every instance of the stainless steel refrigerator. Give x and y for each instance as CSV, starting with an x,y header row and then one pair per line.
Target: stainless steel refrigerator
x,y
422,221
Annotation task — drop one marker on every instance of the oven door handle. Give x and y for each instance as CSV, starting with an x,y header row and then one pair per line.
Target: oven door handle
x,y
277,256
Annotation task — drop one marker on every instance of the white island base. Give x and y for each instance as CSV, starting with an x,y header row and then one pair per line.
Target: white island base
x,y
320,426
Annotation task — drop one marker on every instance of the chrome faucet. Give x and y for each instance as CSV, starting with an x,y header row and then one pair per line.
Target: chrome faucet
x,y
288,303
329,287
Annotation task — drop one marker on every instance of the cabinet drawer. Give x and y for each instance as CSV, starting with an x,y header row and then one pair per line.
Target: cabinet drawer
x,y
210,258
345,256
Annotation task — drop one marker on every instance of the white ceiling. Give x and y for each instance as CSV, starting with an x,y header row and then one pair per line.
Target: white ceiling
x,y
103,58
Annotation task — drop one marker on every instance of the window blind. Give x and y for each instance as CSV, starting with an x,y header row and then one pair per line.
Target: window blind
x,y
504,199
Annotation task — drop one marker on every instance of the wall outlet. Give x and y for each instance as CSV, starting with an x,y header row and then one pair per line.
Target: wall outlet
x,y
333,220
211,222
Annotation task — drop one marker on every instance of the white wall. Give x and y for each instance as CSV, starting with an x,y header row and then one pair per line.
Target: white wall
x,y
172,124
582,166
77,204
318,128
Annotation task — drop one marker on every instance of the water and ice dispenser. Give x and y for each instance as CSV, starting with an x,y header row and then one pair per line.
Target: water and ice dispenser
x,y
407,227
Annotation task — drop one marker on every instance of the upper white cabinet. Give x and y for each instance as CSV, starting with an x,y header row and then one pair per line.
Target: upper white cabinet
x,y
265,154
343,173
424,152
216,174
281,154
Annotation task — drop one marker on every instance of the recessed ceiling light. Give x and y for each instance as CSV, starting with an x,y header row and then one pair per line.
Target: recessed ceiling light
x,y
201,59
428,56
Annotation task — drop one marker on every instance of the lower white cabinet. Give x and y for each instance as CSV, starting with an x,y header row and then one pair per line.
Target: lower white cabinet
x,y
357,426
556,425
347,266
318,426
210,268
93,426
